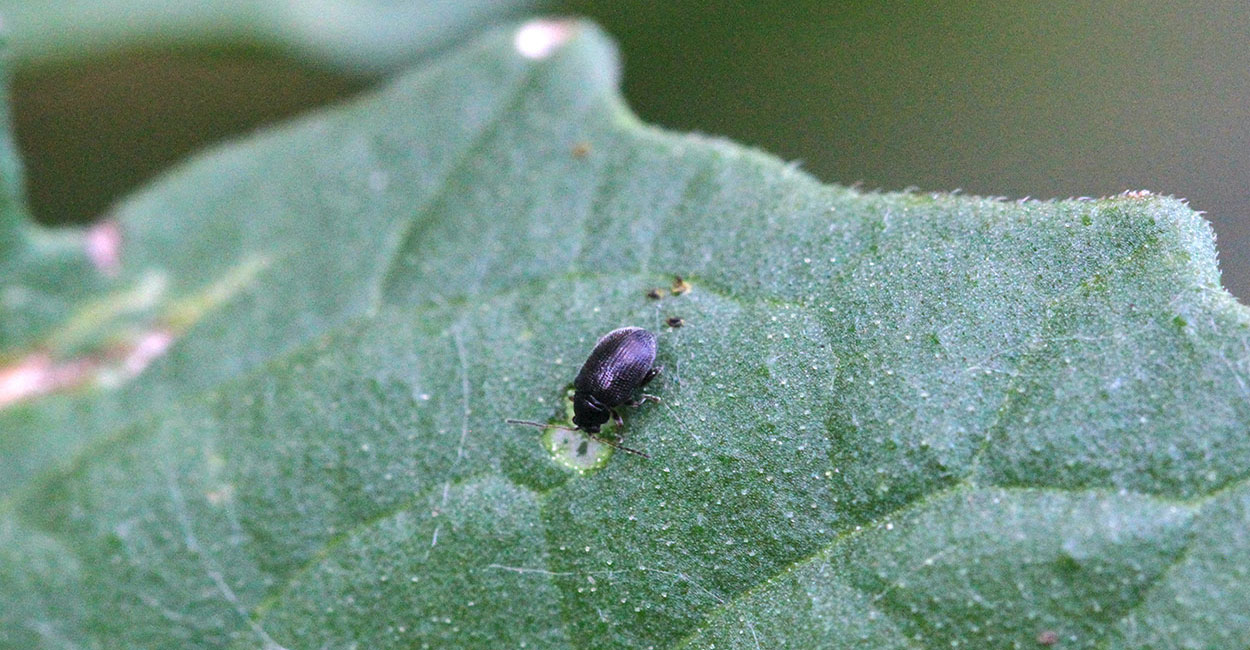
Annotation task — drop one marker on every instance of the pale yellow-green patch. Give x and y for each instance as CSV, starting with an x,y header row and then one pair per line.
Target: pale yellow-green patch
x,y
186,311
101,318
576,450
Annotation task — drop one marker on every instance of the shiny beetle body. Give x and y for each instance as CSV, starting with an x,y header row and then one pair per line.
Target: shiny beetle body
x,y
621,362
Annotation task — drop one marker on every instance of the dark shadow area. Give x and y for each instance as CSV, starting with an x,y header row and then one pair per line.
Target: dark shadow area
x,y
90,134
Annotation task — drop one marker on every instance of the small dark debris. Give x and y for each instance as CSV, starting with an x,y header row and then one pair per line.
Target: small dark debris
x,y
680,286
581,449
581,149
655,294
1048,637
675,321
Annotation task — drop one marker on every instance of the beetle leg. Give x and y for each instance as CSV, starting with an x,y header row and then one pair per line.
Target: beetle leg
x,y
643,398
616,417
651,374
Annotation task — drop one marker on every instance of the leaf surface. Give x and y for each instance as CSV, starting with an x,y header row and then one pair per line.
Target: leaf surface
x,y
891,420
356,35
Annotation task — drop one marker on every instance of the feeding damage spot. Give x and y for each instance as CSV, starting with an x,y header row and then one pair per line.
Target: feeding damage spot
x,y
538,39
111,341
143,350
575,450
38,374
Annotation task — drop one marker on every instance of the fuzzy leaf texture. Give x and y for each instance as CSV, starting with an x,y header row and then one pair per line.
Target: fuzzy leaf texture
x,y
274,384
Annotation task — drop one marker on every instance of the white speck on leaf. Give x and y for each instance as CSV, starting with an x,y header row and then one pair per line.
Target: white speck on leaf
x,y
538,39
103,244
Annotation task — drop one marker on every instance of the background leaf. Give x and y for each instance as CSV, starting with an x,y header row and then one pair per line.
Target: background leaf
x,y
897,420
359,34
1089,103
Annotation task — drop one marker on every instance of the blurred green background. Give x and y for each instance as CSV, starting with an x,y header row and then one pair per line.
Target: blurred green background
x,y
1002,98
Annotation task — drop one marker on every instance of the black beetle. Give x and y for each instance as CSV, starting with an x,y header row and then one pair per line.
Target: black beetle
x,y
623,361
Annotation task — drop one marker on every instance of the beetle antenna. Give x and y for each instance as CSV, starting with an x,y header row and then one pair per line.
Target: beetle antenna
x,y
617,446
541,425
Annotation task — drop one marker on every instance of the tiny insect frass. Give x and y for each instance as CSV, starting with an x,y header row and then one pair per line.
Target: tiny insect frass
x,y
620,363
675,321
680,285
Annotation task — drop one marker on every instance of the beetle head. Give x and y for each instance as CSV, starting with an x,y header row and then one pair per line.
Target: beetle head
x,y
588,413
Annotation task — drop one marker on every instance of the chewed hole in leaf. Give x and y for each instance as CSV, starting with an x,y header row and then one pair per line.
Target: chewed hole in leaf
x,y
576,450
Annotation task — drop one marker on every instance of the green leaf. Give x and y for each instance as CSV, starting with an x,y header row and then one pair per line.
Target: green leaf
x,y
41,273
352,34
890,420
12,215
